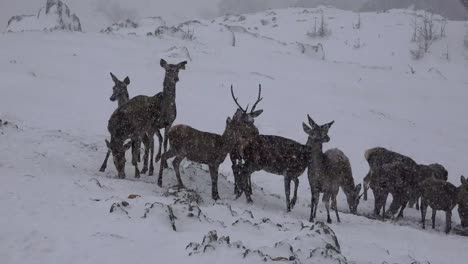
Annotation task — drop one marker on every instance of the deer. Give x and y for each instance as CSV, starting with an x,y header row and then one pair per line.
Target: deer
x,y
462,199
281,156
201,147
424,171
143,115
120,94
439,195
243,118
328,171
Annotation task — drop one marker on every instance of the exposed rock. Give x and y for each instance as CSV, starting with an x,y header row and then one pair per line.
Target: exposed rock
x,y
54,16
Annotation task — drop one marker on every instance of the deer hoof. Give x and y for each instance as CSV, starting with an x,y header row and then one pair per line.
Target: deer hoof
x,y
150,173
102,169
329,221
249,200
157,158
144,170
215,197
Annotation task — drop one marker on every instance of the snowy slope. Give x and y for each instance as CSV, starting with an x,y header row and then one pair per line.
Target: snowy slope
x,y
57,94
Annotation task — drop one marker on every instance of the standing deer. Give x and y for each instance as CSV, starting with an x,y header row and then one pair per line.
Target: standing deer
x,y
425,171
282,156
439,195
328,171
202,147
462,199
243,118
143,115
120,93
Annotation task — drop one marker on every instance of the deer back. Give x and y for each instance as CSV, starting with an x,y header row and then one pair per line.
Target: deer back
x,y
278,155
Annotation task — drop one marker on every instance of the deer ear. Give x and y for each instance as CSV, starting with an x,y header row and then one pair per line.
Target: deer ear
x,y
108,144
181,65
256,113
307,129
163,63
114,78
228,121
127,145
127,80
463,180
311,122
328,125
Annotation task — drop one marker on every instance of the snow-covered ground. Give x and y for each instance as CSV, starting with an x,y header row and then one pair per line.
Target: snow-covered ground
x,y
55,96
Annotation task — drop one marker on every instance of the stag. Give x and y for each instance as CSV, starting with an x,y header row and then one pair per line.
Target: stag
x,y
243,118
328,171
120,94
439,195
143,115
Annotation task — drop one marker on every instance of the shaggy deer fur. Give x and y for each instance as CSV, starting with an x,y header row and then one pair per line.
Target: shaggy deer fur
x,y
328,171
439,195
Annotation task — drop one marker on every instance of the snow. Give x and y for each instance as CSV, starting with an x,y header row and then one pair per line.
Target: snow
x,y
55,90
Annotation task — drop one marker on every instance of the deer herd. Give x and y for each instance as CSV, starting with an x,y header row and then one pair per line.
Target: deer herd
x,y
136,120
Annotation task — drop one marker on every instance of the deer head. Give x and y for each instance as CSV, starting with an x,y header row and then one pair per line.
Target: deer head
x,y
120,88
317,134
118,156
353,198
172,70
244,120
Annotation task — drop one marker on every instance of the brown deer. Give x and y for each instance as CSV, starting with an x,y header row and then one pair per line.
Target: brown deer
x,y
425,171
143,115
282,156
462,199
439,195
120,94
243,118
328,171
202,147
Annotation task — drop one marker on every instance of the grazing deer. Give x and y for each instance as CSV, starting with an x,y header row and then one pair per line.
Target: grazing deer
x,y
202,147
462,199
439,195
243,118
376,157
328,171
425,171
143,115
120,93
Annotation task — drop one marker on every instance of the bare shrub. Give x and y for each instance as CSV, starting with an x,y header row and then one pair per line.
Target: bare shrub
x,y
322,30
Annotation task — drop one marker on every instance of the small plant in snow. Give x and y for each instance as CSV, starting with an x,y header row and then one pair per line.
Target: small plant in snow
x,y
424,34
443,24
322,30
189,34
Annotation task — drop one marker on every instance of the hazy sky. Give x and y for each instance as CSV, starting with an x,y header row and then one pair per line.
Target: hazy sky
x,y
97,14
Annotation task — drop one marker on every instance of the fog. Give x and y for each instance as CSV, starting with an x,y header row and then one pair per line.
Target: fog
x,y
97,14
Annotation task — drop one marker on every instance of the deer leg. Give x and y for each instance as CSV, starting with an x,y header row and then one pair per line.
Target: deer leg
x,y
160,139
287,190
176,163
336,208
403,206
378,202
417,204
146,143
166,132
151,146
365,185
135,156
448,221
296,185
171,153
434,212
214,181
423,212
326,201
104,164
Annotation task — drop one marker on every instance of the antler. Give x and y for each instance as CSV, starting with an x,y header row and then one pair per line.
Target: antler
x,y
258,99
235,100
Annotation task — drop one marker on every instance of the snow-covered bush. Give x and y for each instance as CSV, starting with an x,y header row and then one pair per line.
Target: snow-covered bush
x,y
425,33
143,27
320,30
54,16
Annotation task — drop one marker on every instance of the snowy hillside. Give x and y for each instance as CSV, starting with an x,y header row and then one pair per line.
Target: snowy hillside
x,y
55,99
